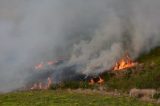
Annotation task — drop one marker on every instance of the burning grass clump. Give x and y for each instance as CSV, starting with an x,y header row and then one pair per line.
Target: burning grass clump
x,y
149,78
142,76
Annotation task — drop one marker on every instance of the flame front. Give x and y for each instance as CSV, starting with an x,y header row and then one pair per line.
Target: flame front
x,y
39,66
99,81
91,82
50,62
124,63
41,85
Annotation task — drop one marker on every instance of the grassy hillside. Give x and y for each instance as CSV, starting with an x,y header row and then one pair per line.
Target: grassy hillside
x,y
145,75
65,98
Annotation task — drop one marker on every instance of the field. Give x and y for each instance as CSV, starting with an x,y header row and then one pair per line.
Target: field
x,y
66,98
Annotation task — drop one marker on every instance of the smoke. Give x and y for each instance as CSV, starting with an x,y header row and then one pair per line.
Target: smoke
x,y
89,32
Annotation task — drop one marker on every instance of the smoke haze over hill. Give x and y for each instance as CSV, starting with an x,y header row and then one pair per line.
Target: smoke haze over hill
x,y
89,32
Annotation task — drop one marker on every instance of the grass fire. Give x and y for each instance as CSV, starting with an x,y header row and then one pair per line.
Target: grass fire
x,y
124,63
79,52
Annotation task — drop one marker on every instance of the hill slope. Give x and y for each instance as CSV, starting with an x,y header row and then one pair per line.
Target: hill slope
x,y
145,75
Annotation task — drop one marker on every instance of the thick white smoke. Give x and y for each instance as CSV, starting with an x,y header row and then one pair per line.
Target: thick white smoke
x,y
131,26
90,32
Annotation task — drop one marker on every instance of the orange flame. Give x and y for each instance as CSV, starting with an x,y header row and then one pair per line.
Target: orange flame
x,y
91,82
42,65
124,63
41,86
99,81
50,62
39,66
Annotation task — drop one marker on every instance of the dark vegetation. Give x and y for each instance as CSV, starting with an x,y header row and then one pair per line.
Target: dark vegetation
x,y
71,85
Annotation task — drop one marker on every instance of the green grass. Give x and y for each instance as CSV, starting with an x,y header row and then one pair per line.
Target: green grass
x,y
65,98
146,76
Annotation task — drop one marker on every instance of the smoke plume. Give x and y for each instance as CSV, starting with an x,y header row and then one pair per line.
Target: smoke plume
x,y
91,33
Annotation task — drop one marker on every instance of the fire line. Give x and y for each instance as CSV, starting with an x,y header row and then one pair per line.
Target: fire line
x,y
124,63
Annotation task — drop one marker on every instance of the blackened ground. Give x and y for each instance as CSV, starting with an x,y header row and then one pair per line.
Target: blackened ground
x,y
58,74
